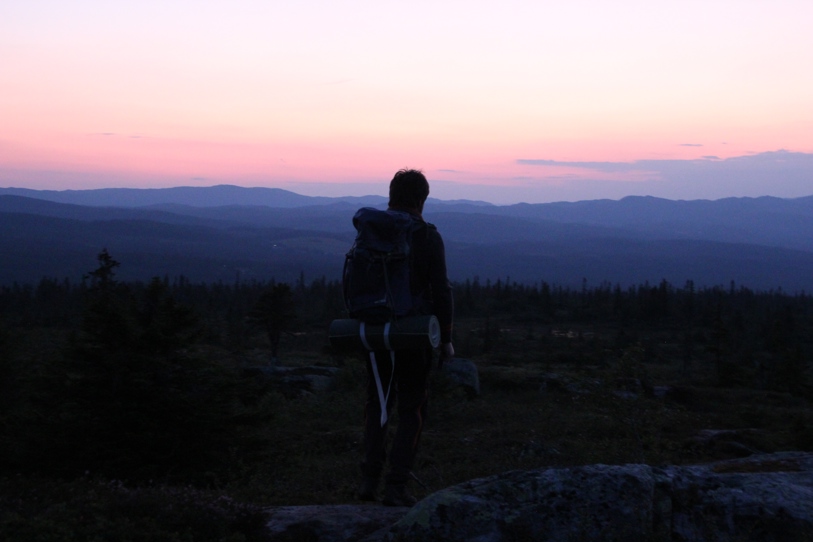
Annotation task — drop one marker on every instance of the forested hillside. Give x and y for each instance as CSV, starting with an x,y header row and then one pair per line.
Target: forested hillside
x,y
761,243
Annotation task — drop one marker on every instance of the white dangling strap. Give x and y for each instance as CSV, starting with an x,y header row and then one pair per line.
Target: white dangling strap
x,y
382,398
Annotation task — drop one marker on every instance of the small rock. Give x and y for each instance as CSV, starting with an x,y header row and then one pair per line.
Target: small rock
x,y
296,381
463,373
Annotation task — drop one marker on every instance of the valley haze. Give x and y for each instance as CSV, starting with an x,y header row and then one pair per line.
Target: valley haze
x,y
227,233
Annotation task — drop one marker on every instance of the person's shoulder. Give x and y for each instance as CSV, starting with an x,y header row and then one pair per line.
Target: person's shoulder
x,y
433,235
418,223
431,230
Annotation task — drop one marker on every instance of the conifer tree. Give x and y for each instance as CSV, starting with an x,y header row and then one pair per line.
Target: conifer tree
x,y
275,312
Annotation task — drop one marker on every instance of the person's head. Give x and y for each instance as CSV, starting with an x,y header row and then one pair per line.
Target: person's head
x,y
408,190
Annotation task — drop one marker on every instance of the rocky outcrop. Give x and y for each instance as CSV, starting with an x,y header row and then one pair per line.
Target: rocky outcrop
x,y
586,503
759,498
754,499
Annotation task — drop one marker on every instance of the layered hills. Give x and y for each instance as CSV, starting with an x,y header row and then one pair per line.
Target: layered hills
x,y
228,233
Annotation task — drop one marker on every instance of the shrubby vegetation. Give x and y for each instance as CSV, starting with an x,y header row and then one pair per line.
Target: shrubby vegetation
x,y
118,400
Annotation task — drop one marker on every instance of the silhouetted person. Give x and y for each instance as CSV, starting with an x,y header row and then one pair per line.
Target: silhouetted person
x,y
430,284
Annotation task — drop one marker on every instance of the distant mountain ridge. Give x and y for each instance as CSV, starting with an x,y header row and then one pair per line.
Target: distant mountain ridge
x,y
770,221
763,243
212,196
195,196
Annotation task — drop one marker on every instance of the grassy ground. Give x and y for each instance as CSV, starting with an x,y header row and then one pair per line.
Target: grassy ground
x,y
550,397
546,401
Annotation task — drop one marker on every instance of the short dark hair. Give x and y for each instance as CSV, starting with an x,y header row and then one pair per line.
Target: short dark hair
x,y
408,189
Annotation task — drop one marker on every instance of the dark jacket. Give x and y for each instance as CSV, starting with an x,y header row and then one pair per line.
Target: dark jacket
x,y
428,276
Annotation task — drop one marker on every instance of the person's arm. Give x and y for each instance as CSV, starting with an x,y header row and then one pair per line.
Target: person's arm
x,y
442,298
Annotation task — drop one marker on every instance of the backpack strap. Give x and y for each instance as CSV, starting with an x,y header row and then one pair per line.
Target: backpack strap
x,y
382,397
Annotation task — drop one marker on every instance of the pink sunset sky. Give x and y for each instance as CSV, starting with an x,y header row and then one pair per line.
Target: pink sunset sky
x,y
500,101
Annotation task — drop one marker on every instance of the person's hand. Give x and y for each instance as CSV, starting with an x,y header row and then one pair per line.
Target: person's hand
x,y
446,353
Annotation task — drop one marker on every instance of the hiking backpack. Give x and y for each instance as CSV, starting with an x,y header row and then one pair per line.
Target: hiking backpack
x,y
376,276
376,282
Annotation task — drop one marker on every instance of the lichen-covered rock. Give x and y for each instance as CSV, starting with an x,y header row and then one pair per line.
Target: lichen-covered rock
x,y
761,498
597,502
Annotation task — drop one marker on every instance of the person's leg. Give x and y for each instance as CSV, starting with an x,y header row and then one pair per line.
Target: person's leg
x,y
375,435
411,378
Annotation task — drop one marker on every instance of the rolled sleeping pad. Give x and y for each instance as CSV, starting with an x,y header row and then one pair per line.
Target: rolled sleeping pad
x,y
410,333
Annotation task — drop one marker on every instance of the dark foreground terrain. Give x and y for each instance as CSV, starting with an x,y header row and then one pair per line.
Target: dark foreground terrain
x,y
147,411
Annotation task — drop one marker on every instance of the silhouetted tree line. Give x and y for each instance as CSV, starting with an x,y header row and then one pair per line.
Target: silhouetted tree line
x,y
228,313
761,339
129,389
232,314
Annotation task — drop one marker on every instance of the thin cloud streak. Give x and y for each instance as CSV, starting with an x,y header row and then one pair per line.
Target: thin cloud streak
x,y
779,173
767,160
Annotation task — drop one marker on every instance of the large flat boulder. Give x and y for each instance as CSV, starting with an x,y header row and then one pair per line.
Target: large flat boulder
x,y
585,503
760,498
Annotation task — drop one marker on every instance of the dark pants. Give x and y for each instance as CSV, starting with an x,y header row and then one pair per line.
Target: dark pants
x,y
409,393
